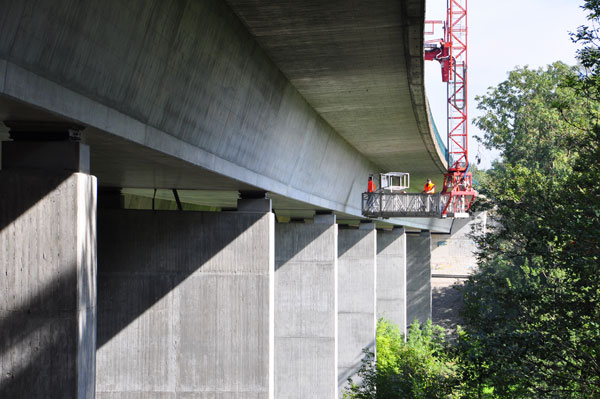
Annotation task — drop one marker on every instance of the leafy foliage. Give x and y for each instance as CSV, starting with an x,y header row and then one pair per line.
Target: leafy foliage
x,y
419,368
532,312
534,117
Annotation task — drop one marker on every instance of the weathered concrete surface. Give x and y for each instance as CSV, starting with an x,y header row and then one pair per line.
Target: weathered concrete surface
x,y
185,304
186,79
391,276
306,310
454,254
418,272
187,86
453,259
357,275
360,65
48,284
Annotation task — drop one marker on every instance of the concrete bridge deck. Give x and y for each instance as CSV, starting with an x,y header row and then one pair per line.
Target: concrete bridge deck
x,y
300,99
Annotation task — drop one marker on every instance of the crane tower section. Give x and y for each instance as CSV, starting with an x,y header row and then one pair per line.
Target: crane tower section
x,y
457,194
451,53
457,86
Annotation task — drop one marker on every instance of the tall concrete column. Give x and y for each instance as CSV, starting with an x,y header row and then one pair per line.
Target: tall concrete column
x,y
357,270
185,304
306,309
391,276
418,273
48,271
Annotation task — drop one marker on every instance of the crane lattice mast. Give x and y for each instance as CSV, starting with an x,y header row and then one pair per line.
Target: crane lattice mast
x,y
456,35
457,195
451,53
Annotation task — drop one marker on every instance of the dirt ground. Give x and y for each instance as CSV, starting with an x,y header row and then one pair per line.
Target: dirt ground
x,y
447,302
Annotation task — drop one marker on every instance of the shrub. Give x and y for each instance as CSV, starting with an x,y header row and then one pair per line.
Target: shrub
x,y
418,368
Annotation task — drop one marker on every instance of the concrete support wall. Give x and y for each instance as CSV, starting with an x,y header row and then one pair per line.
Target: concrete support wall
x,y
306,310
357,273
454,254
47,284
185,305
453,259
418,272
391,276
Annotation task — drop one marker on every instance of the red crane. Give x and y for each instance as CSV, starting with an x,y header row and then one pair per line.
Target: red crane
x,y
451,52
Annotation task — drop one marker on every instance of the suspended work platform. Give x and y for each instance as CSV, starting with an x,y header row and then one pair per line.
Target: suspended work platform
x,y
391,200
387,205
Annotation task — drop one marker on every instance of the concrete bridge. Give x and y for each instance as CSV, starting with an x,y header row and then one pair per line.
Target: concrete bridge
x,y
266,117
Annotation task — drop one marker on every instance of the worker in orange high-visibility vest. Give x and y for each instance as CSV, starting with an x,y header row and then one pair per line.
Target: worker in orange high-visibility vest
x,y
371,193
429,187
371,185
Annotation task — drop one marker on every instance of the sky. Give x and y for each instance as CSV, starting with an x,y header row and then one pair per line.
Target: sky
x,y
503,34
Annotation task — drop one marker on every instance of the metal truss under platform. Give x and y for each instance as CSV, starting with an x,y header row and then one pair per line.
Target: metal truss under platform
x,y
386,205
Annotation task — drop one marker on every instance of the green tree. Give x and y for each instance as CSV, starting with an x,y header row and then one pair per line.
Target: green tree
x,y
419,368
532,312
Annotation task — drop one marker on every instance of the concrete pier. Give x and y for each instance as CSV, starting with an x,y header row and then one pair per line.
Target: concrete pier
x,y
48,269
391,276
418,271
185,305
357,270
306,309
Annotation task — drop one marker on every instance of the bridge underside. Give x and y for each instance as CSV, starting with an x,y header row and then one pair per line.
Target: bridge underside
x,y
205,101
119,163
360,67
299,99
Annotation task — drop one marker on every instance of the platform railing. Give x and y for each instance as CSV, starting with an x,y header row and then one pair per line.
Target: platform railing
x,y
386,205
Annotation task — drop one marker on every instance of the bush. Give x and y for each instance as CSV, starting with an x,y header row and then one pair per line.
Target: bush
x,y
415,369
